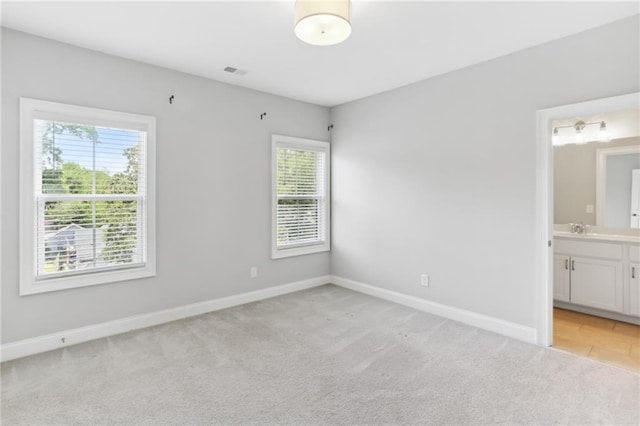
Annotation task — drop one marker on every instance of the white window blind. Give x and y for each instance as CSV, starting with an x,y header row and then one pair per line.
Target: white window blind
x,y
301,203
89,190
90,200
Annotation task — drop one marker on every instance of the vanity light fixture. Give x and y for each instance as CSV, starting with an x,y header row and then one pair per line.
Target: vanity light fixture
x,y
323,22
604,134
556,137
579,136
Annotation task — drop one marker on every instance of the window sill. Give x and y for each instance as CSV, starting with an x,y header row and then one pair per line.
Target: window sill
x,y
30,285
299,251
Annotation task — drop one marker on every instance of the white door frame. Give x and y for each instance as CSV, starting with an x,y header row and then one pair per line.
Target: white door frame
x,y
544,199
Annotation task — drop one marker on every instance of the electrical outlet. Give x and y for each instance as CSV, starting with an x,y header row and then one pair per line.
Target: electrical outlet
x,y
589,209
254,272
424,280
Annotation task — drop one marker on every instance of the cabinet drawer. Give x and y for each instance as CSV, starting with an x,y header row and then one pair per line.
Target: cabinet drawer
x,y
588,248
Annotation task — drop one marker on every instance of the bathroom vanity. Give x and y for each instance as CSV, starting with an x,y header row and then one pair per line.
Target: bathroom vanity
x,y
597,273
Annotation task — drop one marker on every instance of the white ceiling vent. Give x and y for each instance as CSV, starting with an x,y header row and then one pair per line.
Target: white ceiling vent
x,y
236,71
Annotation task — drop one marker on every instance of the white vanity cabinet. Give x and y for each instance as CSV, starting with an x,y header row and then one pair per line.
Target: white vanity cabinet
x,y
596,283
561,277
634,280
589,273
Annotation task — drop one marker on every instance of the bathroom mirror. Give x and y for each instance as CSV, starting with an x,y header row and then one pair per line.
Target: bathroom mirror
x,y
618,187
594,179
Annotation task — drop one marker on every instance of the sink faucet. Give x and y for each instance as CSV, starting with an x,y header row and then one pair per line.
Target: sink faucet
x,y
578,228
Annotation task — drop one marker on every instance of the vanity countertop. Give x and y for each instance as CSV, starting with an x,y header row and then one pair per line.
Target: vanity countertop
x,y
597,237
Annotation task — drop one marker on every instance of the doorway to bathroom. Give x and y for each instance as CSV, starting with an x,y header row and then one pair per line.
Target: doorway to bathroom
x,y
588,247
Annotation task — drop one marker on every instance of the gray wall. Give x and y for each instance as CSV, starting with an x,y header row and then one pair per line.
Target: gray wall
x,y
574,180
439,177
617,206
213,182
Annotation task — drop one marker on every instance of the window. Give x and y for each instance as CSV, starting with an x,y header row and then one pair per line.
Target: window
x,y
87,196
300,196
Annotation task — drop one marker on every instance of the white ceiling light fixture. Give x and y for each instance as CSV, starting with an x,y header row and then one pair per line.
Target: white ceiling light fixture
x,y
323,22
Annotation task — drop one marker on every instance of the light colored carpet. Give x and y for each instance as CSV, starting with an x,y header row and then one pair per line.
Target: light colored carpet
x,y
325,355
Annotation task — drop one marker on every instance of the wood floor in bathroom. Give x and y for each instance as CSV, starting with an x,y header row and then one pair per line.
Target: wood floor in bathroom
x,y
609,341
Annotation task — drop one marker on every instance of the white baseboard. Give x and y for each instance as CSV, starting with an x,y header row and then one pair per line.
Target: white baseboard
x,y
53,341
506,328
62,339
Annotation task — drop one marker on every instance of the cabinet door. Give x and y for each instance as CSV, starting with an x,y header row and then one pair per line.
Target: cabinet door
x,y
634,288
561,285
596,283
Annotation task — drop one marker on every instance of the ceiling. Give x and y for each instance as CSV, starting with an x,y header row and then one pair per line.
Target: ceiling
x,y
393,43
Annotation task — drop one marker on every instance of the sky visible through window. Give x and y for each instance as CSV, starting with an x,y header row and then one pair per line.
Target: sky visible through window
x,y
110,149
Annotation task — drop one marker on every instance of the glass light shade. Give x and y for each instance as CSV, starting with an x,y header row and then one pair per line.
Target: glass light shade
x,y
603,135
579,137
323,22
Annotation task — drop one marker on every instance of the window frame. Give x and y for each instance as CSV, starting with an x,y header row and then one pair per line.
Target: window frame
x,y
34,109
278,141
